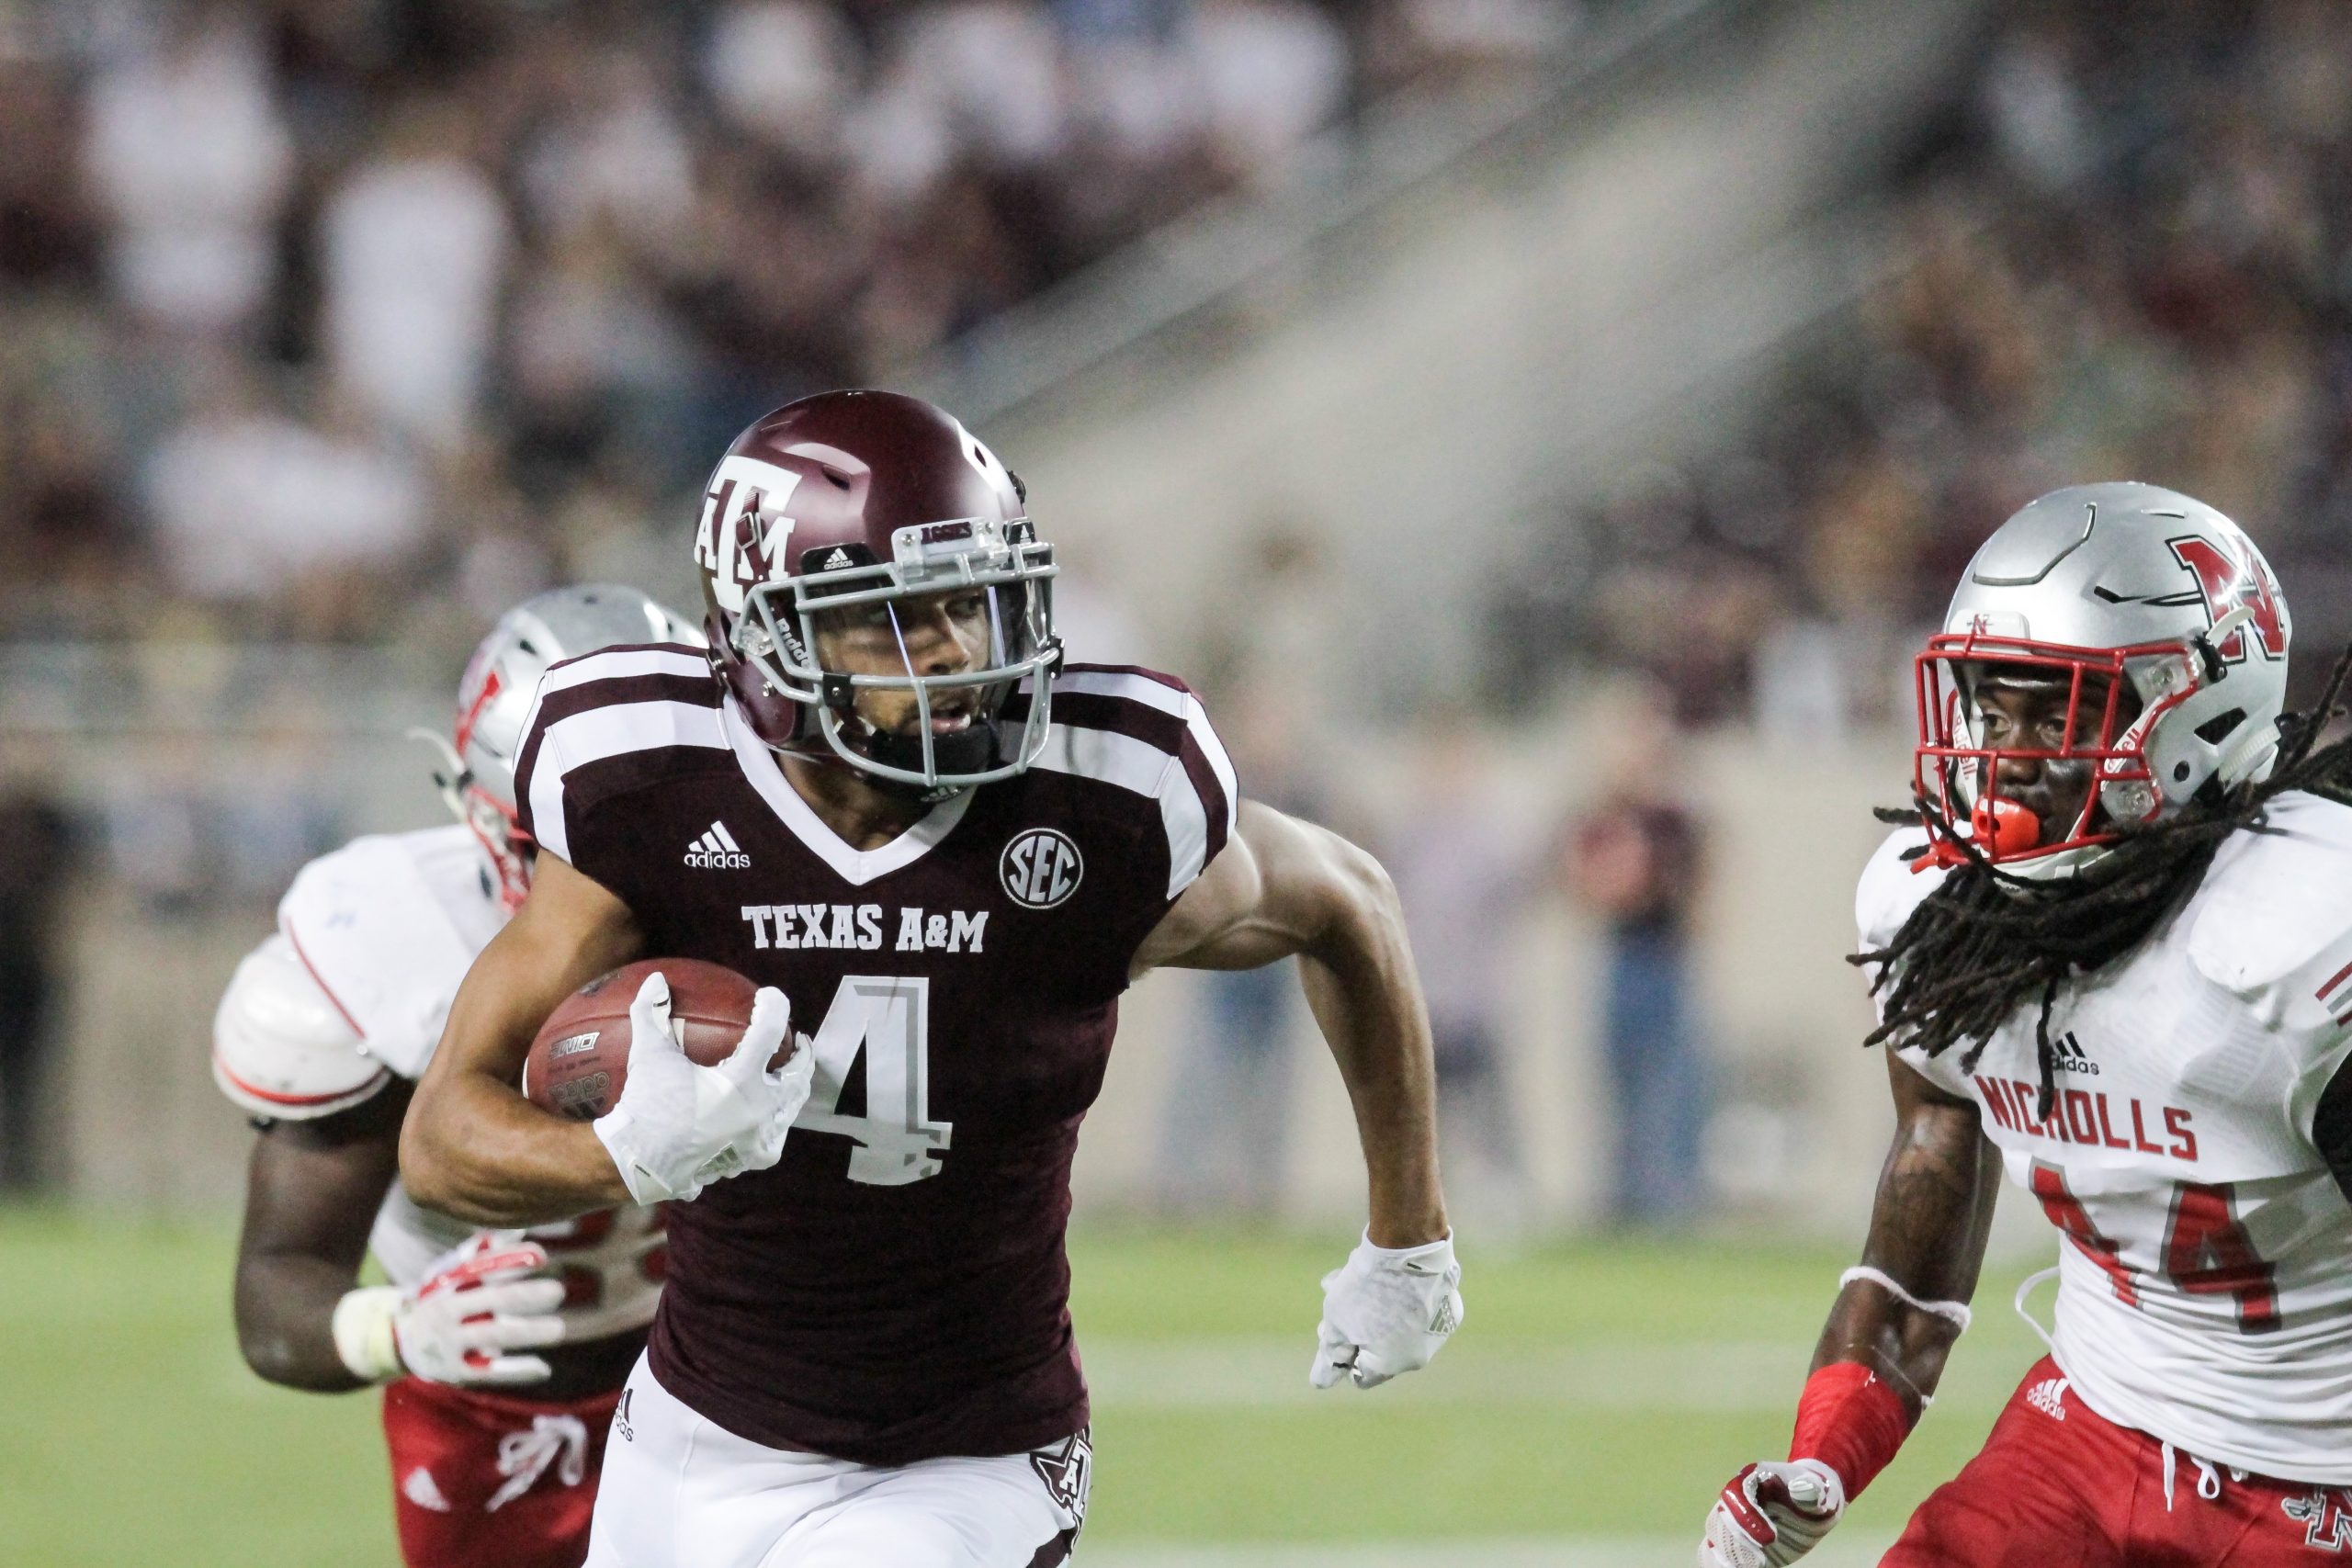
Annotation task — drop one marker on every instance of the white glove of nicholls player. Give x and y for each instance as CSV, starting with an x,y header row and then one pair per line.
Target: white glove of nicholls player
x,y
678,1127
1770,1515
481,1302
1386,1311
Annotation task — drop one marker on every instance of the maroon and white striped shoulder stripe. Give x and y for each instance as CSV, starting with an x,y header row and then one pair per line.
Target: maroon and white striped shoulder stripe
x,y
609,703
660,671
1148,733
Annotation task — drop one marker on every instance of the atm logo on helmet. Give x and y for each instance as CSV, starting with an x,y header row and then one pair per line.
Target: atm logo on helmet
x,y
2230,579
742,538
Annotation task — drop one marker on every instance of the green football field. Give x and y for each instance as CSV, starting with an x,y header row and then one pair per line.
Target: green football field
x,y
1595,1398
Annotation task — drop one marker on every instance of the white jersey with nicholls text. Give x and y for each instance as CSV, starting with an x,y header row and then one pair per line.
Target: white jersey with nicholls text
x,y
2205,1283
383,930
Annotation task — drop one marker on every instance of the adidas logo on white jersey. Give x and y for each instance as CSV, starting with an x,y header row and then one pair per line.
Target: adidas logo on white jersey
x,y
2071,1057
2049,1396
717,851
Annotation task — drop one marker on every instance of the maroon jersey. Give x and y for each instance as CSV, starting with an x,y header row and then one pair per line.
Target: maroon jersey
x,y
895,1288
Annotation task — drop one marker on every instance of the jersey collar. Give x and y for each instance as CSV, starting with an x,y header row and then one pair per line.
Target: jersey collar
x,y
857,867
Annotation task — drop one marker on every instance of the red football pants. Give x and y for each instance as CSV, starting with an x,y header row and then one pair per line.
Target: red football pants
x,y
486,1479
2057,1486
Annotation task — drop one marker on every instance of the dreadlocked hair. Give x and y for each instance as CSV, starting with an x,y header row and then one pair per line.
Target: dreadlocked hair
x,y
1984,941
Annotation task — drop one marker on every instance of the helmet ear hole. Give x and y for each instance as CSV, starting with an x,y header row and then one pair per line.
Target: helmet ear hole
x,y
2221,726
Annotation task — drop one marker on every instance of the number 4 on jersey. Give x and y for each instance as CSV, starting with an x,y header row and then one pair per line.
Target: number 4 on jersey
x,y
2208,1253
887,1019
2206,1249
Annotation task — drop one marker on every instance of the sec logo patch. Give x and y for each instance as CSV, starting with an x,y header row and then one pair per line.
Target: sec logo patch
x,y
1040,868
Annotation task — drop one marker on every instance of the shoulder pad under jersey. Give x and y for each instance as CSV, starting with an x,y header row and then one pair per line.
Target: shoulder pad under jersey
x,y
1890,889
596,720
282,1047
388,925
1147,734
2272,921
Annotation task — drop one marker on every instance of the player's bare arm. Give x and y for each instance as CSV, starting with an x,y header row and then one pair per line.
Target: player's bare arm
x,y
311,1188
1928,1224
1882,1351
1284,888
472,1146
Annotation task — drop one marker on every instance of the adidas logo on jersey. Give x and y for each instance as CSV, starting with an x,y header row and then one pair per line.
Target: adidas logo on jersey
x,y
717,851
2072,1058
2049,1396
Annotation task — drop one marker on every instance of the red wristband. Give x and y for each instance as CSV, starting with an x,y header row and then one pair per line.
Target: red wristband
x,y
1849,1420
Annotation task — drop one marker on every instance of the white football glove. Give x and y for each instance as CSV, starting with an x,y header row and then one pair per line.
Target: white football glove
x,y
1770,1515
481,1302
678,1127
1386,1311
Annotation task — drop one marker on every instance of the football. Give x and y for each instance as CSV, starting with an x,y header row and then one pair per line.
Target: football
x,y
578,1063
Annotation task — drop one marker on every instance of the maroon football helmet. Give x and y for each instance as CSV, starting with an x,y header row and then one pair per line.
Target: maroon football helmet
x,y
852,500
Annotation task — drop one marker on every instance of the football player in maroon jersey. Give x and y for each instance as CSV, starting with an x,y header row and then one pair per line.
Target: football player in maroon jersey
x,y
944,852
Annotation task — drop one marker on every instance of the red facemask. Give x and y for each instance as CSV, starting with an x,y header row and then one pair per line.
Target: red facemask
x,y
1959,780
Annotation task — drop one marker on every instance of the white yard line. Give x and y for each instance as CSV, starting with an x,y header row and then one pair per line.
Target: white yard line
x,y
1567,1551
1713,1377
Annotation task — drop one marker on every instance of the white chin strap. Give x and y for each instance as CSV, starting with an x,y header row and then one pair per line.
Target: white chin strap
x,y
451,782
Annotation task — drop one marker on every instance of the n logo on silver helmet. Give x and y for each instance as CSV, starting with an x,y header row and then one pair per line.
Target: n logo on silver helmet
x,y
2231,578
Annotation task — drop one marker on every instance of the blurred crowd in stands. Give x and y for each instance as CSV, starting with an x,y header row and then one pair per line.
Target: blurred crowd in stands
x,y
2126,254
319,318
357,320
334,319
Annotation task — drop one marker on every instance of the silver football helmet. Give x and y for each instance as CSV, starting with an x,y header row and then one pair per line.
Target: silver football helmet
x,y
2124,586
494,699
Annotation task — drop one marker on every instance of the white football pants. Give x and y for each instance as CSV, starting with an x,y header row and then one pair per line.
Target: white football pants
x,y
679,1491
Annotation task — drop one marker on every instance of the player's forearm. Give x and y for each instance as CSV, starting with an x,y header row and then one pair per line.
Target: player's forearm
x,y
1927,1240
1882,1351
312,1189
472,1146
285,1320
475,1149
1366,998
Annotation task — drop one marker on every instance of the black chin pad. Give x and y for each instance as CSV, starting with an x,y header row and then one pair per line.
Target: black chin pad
x,y
973,750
